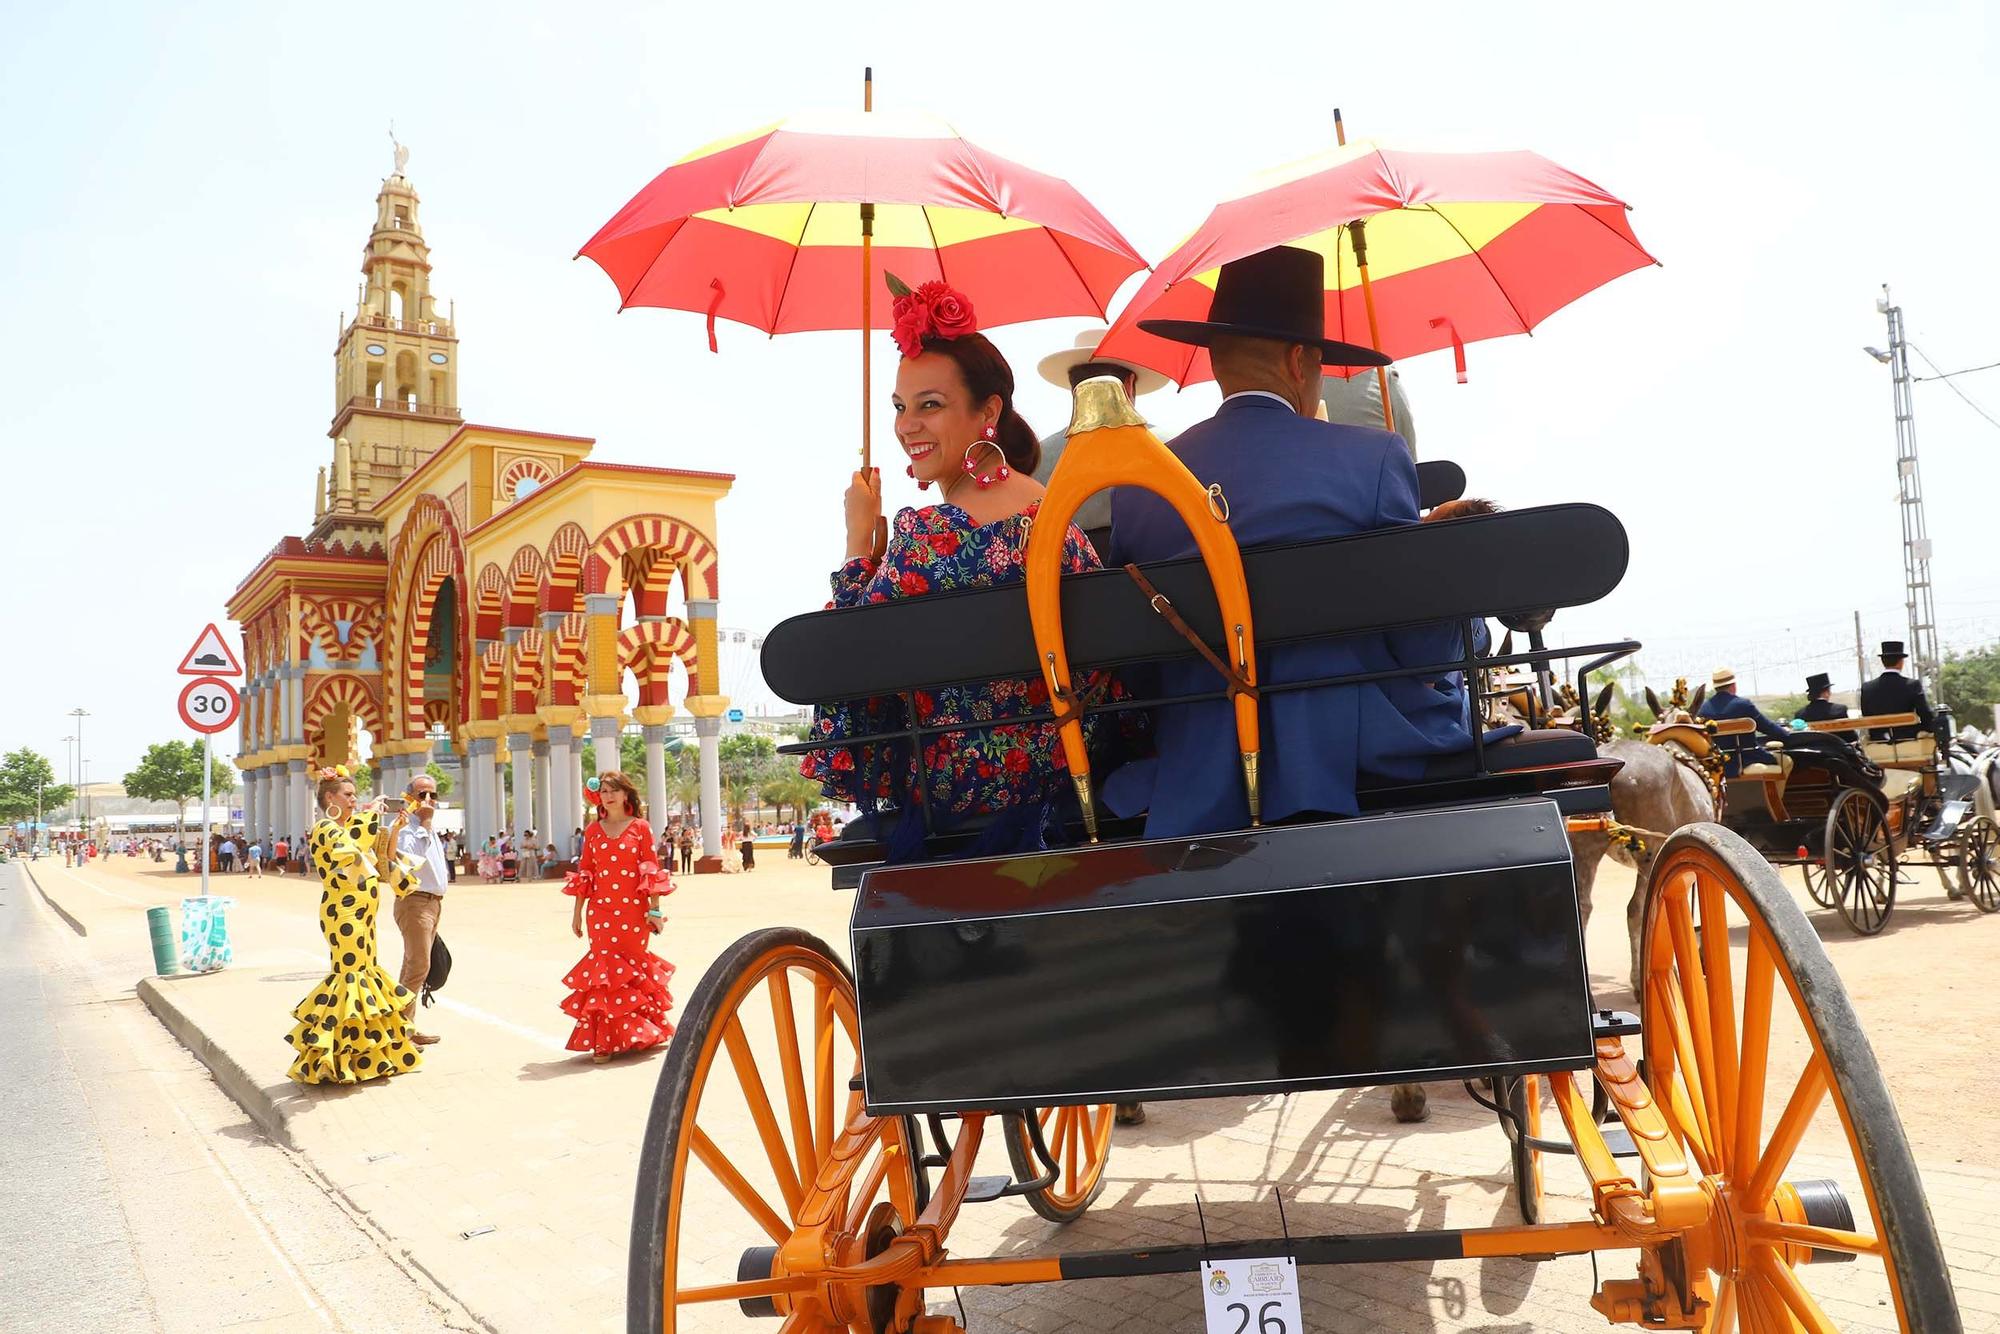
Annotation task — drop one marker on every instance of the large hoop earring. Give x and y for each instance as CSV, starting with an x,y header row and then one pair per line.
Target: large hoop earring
x,y
982,480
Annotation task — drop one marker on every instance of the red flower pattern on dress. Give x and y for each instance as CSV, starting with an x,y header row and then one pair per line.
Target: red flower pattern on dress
x,y
940,549
618,991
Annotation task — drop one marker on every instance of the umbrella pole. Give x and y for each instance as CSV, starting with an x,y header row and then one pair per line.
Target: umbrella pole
x,y
881,542
1357,230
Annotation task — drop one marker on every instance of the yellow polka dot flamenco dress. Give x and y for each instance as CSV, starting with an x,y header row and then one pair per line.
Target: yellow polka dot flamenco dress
x,y
351,1027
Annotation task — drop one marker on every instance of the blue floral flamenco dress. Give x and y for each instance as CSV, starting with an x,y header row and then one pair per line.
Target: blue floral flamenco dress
x,y
1014,767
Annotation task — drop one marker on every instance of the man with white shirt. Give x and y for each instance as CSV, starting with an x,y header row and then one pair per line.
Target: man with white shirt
x,y
417,912
1286,477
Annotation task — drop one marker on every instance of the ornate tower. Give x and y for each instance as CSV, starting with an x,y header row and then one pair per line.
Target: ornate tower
x,y
395,370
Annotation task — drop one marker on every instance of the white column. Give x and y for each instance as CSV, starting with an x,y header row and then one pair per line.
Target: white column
x,y
604,742
543,777
300,806
656,770
478,808
709,731
563,796
521,746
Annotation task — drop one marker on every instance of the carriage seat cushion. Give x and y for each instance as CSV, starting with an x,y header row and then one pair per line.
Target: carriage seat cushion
x,y
1534,749
1895,782
1917,754
1776,770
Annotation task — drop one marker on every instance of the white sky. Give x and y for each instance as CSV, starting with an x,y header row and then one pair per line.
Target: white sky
x,y
188,189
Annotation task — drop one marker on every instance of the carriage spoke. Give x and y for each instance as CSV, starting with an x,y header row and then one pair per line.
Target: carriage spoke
x,y
1722,1010
1760,973
1694,995
1072,1136
744,1193
760,1113
794,1073
1786,1134
1724,1319
1772,1232
822,1067
1785,1285
1682,1096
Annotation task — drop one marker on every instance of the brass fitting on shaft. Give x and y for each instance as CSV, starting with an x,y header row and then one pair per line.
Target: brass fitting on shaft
x,y
1083,796
1252,788
1100,402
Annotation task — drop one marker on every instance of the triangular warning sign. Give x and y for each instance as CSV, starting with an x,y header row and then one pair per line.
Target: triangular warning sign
x,y
210,656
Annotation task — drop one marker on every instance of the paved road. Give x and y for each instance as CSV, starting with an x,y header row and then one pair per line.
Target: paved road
x,y
139,1197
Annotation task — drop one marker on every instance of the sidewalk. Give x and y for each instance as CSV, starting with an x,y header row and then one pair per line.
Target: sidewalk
x,y
532,1150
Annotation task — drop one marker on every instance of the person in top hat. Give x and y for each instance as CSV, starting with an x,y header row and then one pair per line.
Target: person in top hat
x,y
1066,370
1819,708
1723,704
1286,477
1893,692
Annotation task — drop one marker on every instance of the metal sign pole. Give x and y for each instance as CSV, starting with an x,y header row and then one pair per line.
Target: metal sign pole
x,y
207,766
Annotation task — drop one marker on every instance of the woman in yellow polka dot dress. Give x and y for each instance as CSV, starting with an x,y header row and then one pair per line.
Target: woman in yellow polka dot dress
x,y
351,1027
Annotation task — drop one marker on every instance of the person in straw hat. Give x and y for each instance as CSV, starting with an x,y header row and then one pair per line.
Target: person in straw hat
x,y
1723,704
1066,370
1285,477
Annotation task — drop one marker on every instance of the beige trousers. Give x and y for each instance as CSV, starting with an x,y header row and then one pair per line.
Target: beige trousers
x,y
417,916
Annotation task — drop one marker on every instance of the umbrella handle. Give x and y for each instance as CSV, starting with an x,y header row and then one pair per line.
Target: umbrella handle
x,y
1357,232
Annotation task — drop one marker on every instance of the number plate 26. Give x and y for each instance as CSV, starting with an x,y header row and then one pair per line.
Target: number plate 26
x,y
1253,1296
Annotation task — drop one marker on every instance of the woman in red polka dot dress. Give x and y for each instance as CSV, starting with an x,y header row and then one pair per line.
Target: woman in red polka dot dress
x,y
618,993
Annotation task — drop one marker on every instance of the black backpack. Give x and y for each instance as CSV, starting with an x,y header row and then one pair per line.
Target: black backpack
x,y
440,972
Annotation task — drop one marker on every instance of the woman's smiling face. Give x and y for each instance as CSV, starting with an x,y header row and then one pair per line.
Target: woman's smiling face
x,y
936,418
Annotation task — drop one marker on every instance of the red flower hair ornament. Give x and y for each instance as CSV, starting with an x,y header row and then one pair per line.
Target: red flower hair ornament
x,y
931,310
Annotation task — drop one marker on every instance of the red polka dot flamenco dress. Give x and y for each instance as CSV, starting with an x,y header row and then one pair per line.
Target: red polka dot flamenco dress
x,y
618,993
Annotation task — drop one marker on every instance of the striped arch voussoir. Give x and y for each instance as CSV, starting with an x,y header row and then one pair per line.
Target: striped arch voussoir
x,y
336,691
648,650
686,547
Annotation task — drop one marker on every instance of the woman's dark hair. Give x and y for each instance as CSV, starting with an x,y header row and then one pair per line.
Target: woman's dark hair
x,y
987,375
615,779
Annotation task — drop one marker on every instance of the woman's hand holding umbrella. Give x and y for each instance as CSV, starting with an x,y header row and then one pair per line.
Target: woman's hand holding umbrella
x,y
864,512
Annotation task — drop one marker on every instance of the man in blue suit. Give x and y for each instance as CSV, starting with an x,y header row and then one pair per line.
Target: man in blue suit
x,y
1286,477
1722,704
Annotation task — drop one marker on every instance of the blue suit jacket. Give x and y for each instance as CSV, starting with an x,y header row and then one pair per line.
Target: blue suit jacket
x,y
1736,750
1287,479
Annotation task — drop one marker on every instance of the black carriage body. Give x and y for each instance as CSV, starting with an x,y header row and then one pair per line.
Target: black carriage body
x,y
1780,824
1431,944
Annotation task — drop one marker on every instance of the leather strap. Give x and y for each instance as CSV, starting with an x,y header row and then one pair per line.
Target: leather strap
x,y
1160,603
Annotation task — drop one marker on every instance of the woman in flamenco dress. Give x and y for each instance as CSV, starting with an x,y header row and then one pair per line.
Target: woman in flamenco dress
x,y
957,425
618,992
351,1028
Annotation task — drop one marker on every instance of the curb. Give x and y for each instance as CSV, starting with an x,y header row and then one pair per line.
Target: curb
x,y
241,1086
69,919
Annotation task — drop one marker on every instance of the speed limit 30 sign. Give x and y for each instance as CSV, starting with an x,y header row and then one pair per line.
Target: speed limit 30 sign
x,y
209,704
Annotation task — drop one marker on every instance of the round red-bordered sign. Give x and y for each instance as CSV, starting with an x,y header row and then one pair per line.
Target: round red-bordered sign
x,y
209,704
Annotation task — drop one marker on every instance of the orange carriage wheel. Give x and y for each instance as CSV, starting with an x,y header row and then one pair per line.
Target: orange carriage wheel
x,y
1756,1059
760,1174
1078,1143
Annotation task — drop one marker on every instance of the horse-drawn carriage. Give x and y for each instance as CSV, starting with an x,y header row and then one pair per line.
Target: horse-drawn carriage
x,y
817,1129
1848,810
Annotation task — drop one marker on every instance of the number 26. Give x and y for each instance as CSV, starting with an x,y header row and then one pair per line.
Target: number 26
x,y
1266,1322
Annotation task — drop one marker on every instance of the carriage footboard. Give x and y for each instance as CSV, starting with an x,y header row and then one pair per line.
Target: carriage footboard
x,y
1419,945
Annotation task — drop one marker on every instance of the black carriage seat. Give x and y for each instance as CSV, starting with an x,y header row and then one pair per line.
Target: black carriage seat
x,y
1499,565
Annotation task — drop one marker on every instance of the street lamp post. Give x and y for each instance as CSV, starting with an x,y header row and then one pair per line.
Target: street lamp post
x,y
83,812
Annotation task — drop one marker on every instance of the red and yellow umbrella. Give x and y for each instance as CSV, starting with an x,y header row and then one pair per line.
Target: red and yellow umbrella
x,y
1423,250
791,226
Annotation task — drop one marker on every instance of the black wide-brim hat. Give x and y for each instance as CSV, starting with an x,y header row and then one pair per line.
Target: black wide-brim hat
x,y
1278,294
1817,682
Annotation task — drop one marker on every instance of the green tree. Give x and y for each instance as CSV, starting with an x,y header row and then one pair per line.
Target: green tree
x,y
171,771
1786,707
28,783
1969,685
440,777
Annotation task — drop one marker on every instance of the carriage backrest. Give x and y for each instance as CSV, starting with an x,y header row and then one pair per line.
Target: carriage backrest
x,y
1550,556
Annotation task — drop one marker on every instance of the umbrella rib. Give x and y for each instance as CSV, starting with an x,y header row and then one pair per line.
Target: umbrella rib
x,y
786,287
1498,286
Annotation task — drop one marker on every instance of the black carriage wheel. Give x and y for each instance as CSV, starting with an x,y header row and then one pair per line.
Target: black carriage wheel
x,y
1819,882
1860,863
813,858
802,1114
1979,862
1708,1048
1078,1139
1521,1095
